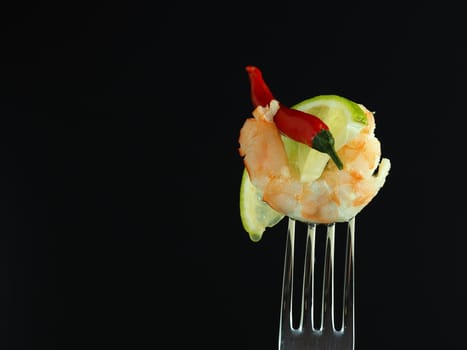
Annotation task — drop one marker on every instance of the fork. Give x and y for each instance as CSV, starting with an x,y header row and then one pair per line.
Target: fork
x,y
325,334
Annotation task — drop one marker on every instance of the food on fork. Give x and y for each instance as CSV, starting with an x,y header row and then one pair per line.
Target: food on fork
x,y
317,162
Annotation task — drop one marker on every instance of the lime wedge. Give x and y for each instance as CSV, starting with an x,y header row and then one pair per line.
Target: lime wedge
x,y
345,120
256,215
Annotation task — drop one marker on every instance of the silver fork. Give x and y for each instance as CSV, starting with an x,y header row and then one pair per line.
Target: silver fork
x,y
327,335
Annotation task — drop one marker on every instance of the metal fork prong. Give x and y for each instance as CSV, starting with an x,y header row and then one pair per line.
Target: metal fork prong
x,y
327,320
308,302
287,282
348,320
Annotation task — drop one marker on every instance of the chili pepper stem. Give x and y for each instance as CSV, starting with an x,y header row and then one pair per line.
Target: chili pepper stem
x,y
324,142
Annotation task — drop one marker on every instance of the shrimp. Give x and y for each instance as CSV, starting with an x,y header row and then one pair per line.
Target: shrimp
x,y
336,196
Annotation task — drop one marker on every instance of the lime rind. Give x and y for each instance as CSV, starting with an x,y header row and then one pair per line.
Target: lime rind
x,y
336,101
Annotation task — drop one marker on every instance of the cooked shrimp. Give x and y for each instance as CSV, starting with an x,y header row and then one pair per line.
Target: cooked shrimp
x,y
336,196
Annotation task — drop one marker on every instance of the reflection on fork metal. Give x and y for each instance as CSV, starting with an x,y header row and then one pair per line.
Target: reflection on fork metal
x,y
325,334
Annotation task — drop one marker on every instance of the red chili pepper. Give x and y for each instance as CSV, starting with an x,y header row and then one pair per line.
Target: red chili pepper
x,y
299,126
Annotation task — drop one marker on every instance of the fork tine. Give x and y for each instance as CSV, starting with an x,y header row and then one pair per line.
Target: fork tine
x,y
287,282
308,302
327,320
348,318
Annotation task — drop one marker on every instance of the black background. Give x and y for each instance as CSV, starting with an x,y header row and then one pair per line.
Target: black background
x,y
120,173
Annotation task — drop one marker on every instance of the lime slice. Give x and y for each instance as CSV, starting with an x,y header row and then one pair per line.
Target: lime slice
x,y
256,215
345,120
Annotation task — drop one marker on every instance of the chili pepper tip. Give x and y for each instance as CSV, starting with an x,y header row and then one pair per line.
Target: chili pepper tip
x,y
324,142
